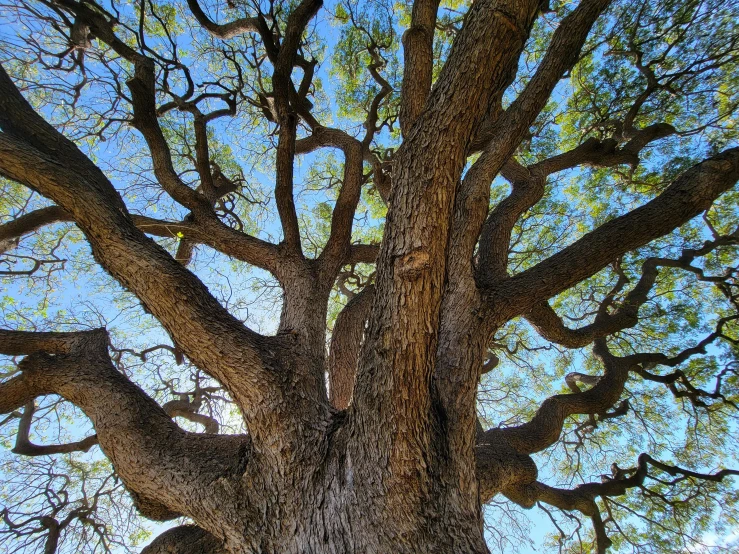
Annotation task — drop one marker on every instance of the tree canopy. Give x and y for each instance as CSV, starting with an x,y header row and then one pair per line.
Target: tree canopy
x,y
255,254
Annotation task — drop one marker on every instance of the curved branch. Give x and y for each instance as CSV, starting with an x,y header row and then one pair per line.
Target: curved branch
x,y
185,539
345,344
550,326
544,429
205,331
338,246
225,30
689,195
161,464
143,100
582,497
25,447
499,467
186,409
145,120
527,190
506,134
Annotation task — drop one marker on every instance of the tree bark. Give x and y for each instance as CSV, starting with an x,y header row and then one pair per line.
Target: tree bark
x,y
391,458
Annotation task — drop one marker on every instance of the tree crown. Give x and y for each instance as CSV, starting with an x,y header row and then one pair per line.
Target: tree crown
x,y
505,227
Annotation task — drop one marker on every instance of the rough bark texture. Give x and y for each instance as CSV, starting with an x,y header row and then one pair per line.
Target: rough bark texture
x,y
390,457
346,341
187,539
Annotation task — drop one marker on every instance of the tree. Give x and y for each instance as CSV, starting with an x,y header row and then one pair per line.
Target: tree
x,y
476,197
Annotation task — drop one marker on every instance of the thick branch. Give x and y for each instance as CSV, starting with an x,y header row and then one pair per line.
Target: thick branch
x,y
545,427
185,539
499,467
287,120
398,356
527,190
550,326
189,411
418,62
143,98
692,193
225,30
11,232
211,337
338,244
338,247
505,136
285,160
156,460
363,253
345,344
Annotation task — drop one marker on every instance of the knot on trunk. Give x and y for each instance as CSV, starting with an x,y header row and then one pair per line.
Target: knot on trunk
x,y
412,264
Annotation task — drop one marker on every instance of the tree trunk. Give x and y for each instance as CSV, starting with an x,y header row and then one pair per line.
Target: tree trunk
x,y
390,456
331,509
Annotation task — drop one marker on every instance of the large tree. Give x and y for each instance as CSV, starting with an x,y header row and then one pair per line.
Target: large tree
x,y
503,234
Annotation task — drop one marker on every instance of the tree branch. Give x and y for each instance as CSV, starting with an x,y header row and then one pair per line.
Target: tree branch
x,y
582,497
156,460
11,232
338,246
363,253
545,427
188,410
527,189
505,136
550,326
287,120
210,336
185,539
418,62
25,447
143,98
689,195
399,353
607,153
346,340
338,243
225,30
210,231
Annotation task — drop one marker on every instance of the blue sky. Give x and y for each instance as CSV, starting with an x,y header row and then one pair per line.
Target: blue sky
x,y
89,297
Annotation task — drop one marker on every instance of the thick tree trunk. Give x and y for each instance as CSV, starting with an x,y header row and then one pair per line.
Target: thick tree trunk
x,y
331,509
392,461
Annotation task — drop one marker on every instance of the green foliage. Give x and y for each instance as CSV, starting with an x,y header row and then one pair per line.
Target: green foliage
x,y
668,61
